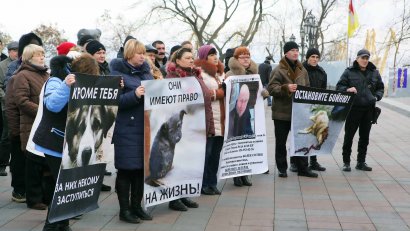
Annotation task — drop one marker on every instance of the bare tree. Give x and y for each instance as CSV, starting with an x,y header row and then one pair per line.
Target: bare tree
x,y
51,37
208,31
117,29
5,38
326,6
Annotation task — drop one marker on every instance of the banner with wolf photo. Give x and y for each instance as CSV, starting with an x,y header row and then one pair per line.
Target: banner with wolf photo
x,y
244,150
92,109
175,139
318,116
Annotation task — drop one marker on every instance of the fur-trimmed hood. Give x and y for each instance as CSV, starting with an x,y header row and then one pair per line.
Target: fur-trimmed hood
x,y
174,71
210,68
237,69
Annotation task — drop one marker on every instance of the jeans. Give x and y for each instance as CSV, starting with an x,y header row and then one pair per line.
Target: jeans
x,y
212,153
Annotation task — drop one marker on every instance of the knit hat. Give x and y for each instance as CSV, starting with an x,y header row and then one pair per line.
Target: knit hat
x,y
241,51
64,48
289,46
312,51
206,50
94,46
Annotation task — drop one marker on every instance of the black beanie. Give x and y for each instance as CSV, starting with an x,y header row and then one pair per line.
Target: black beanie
x,y
289,46
312,51
94,46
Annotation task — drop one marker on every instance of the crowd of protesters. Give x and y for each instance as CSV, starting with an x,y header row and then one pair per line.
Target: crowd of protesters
x,y
24,72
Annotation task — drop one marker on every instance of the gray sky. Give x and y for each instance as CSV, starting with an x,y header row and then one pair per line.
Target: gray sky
x,y
74,15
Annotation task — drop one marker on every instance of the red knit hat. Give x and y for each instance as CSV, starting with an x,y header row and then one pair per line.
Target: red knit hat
x,y
64,48
241,51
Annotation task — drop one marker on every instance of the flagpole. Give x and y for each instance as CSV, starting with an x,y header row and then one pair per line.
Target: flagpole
x,y
347,51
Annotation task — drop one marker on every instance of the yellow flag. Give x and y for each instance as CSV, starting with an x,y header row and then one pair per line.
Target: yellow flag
x,y
353,21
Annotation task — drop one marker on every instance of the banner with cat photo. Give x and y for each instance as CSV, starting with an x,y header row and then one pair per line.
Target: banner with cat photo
x,y
245,149
175,139
92,109
318,117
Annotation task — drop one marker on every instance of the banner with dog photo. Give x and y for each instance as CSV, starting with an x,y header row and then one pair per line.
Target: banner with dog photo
x,y
245,149
318,117
175,138
92,109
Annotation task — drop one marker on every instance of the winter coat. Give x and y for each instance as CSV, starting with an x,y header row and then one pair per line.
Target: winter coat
x,y
176,72
3,70
264,70
12,111
27,85
235,68
128,137
213,76
50,132
317,76
369,84
281,77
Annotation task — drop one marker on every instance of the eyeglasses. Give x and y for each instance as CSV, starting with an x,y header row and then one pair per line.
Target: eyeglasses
x,y
244,57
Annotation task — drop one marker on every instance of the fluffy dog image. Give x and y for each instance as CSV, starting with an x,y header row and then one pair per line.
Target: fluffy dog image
x,y
320,126
163,148
86,127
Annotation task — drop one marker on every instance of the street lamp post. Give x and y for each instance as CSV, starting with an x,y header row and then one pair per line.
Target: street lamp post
x,y
308,32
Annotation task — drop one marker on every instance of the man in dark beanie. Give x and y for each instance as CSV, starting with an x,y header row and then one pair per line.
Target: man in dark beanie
x,y
317,79
97,50
282,84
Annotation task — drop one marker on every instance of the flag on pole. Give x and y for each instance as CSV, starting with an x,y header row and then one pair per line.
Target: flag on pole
x,y
353,21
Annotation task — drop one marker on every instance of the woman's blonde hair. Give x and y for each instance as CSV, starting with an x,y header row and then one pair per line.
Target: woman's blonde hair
x,y
30,50
133,47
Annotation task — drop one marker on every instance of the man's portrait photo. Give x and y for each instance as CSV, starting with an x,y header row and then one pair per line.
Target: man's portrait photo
x,y
242,112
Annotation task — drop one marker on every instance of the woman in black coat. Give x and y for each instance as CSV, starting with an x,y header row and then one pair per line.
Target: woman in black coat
x,y
128,135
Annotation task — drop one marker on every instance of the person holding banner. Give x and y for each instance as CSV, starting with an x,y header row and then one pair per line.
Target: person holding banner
x,y
182,65
283,83
241,64
213,76
365,81
128,137
54,115
317,79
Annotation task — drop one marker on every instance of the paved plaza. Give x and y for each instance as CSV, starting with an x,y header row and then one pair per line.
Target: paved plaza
x,y
356,200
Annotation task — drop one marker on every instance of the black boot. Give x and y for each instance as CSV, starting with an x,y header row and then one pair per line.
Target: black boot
x,y
314,165
189,203
122,185
246,181
237,181
177,205
137,192
64,225
50,226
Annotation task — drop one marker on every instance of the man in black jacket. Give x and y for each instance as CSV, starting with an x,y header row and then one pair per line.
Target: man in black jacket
x,y
365,81
264,70
317,79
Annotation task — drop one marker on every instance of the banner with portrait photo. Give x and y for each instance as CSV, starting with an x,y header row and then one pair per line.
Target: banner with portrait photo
x,y
175,139
92,109
244,151
318,117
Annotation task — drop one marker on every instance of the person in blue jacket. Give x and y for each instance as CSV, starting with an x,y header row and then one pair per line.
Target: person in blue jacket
x,y
128,137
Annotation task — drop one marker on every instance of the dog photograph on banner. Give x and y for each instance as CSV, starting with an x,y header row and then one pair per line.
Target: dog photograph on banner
x,y
175,138
244,151
318,116
91,114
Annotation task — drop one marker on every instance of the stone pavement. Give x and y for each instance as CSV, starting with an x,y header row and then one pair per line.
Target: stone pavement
x,y
377,200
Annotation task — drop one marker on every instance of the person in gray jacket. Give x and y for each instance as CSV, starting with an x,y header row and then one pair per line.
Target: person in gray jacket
x,y
365,81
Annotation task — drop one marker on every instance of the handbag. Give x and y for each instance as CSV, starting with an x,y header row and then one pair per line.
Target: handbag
x,y
376,114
